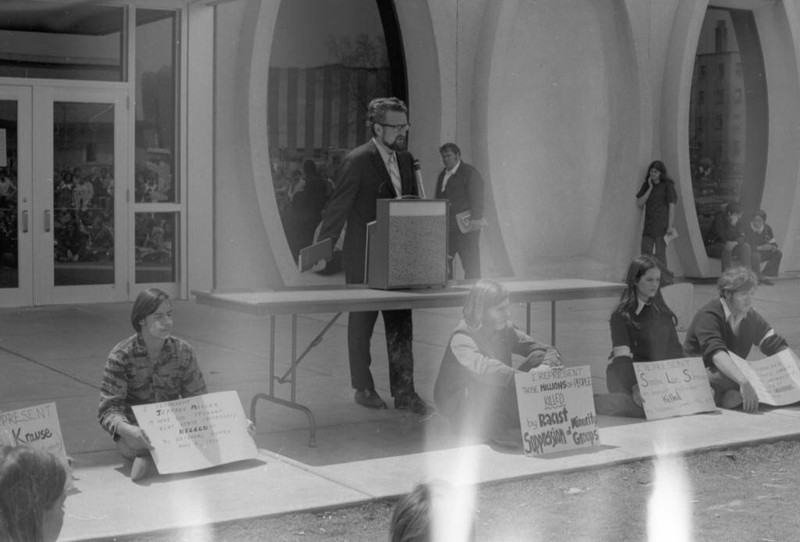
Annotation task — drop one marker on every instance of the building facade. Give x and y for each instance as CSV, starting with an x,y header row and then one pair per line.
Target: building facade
x,y
158,142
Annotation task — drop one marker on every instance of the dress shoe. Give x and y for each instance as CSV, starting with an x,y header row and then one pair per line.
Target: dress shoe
x,y
369,399
765,280
142,467
413,403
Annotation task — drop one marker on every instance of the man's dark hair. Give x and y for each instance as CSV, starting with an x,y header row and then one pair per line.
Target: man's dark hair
x,y
377,108
450,147
733,208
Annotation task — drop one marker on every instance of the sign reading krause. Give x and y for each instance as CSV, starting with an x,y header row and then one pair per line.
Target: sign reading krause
x,y
35,426
674,387
197,432
556,410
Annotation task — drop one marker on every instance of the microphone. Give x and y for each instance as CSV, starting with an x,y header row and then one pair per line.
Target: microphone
x,y
418,175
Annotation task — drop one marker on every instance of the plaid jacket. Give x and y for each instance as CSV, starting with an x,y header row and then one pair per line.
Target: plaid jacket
x,y
132,378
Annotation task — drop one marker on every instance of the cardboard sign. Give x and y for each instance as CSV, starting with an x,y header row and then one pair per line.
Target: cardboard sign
x,y
776,379
36,426
556,410
197,432
674,387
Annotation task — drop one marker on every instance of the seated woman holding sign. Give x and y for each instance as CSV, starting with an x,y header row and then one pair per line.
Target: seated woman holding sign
x,y
151,366
475,387
642,329
730,324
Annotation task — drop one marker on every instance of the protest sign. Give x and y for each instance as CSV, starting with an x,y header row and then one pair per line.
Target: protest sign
x,y
36,426
674,387
556,410
197,432
776,378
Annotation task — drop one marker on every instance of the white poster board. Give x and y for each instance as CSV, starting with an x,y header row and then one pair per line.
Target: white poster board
x,y
776,378
556,410
36,426
196,433
674,387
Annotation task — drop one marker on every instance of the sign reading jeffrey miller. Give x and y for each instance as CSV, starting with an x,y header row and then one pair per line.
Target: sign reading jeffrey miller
x,y
197,432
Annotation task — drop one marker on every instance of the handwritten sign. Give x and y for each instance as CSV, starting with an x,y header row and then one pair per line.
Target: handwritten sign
x,y
776,378
196,433
674,387
556,410
36,426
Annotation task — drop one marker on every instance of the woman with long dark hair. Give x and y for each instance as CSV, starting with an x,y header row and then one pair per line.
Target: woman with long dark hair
x,y
642,329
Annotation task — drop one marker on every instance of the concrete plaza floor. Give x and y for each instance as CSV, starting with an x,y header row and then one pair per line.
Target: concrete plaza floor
x,y
57,354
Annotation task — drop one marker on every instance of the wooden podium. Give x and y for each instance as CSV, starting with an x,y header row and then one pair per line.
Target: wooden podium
x,y
407,244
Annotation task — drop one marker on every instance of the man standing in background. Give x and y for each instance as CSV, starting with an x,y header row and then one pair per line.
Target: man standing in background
x,y
462,186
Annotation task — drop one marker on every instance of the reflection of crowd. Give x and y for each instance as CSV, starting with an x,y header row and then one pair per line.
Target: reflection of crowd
x,y
8,218
301,196
84,214
153,183
154,236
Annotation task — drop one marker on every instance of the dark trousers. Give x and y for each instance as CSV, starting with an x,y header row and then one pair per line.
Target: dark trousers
x,y
741,252
399,336
649,244
467,246
484,411
773,259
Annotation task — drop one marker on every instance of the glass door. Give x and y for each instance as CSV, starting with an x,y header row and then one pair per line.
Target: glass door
x,y
79,204
16,252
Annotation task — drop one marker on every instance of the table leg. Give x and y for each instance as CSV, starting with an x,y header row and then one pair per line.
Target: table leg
x,y
553,322
528,317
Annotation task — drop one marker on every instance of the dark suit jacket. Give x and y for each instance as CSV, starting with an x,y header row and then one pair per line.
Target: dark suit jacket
x,y
362,178
464,191
722,230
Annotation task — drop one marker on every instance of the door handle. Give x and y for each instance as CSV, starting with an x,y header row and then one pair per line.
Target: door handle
x,y
25,221
47,221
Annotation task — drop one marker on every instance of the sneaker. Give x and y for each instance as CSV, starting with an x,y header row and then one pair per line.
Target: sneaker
x,y
369,399
413,403
141,468
765,280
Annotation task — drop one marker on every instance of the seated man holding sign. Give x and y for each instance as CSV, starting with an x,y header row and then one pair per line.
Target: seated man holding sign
x,y
642,329
149,367
475,388
727,325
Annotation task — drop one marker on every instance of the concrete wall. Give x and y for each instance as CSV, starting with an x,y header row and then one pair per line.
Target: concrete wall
x,y
561,106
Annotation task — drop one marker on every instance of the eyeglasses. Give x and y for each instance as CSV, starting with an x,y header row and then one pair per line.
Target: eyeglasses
x,y
396,126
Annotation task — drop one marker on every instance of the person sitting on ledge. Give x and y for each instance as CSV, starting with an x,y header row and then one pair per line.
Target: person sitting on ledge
x,y
151,366
725,240
642,329
730,324
475,387
761,239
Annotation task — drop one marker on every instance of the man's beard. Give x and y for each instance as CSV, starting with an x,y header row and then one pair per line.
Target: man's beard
x,y
399,144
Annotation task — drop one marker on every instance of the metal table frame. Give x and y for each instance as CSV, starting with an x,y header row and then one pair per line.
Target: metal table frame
x,y
339,299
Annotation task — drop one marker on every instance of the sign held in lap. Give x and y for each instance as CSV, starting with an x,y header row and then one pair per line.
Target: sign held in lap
x,y
674,387
776,378
556,410
196,433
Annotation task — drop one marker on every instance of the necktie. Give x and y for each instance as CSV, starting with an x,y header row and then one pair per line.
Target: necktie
x,y
394,173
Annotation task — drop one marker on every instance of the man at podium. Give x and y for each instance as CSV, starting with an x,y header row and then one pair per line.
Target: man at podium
x,y
379,169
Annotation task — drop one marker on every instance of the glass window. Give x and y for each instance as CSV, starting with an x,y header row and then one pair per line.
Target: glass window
x,y
9,232
77,40
328,60
719,156
156,112
156,237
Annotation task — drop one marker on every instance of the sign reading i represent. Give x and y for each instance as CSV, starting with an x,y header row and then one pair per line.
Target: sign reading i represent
x,y
197,432
36,426
556,410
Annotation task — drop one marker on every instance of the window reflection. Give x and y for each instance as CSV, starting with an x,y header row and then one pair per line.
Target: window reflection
x,y
718,120
61,41
156,235
155,109
328,60
9,232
